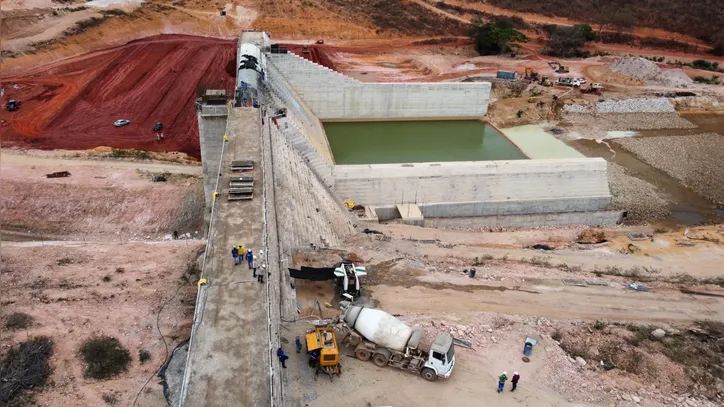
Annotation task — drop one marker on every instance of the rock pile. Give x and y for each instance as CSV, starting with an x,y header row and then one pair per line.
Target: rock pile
x,y
650,73
638,105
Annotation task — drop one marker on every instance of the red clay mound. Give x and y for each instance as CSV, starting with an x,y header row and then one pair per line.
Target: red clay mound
x,y
72,104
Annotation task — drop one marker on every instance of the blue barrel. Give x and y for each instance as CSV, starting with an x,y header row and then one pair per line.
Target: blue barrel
x,y
527,349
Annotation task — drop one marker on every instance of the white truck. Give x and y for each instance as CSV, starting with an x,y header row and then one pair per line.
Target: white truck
x,y
386,340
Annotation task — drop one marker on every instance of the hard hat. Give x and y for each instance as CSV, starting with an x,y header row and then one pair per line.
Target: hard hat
x,y
248,250
515,373
254,257
261,252
505,373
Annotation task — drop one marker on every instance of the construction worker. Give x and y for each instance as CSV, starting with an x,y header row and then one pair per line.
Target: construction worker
x,y
298,342
282,357
254,266
514,380
313,357
241,250
501,381
249,258
235,254
260,274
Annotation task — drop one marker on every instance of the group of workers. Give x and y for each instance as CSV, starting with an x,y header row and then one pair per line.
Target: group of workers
x,y
237,252
504,377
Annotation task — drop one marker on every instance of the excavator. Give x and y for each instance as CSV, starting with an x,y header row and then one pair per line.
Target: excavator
x,y
530,74
323,340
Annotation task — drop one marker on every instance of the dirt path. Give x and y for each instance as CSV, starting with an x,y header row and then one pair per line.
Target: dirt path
x,y
9,159
430,7
663,254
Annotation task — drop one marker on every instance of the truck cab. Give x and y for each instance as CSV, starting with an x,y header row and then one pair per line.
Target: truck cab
x,y
441,358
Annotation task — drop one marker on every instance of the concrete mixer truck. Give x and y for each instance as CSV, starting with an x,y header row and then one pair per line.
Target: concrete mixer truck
x,y
386,340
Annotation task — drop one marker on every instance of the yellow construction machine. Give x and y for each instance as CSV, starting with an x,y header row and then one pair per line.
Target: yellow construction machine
x,y
323,340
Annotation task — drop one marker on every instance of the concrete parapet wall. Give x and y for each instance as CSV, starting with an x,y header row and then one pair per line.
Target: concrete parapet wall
x,y
211,138
333,96
576,184
598,218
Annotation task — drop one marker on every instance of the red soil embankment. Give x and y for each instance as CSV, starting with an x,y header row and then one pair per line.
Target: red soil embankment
x,y
72,104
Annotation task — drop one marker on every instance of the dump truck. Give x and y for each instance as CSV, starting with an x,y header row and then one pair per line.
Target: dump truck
x,y
323,340
386,340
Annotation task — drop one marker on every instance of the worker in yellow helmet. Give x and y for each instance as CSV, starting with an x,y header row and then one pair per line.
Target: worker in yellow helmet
x,y
241,251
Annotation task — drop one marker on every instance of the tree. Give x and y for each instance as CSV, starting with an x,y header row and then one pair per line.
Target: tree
x,y
490,39
621,21
586,30
566,41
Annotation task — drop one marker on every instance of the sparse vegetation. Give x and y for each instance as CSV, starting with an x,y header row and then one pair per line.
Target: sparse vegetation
x,y
104,357
24,367
543,261
17,321
144,356
714,80
696,19
110,398
64,261
130,153
493,39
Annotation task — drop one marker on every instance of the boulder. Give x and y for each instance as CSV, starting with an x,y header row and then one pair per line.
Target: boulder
x,y
581,362
658,333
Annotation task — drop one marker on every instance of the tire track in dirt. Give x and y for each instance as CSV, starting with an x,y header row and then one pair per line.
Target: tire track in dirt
x,y
72,104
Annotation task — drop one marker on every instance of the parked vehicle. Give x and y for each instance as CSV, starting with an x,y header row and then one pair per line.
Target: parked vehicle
x,y
13,105
386,340
121,122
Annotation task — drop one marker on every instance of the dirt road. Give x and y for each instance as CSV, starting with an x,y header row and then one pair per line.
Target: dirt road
x,y
9,159
665,253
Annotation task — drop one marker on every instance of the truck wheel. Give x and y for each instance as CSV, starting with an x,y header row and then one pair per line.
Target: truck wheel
x,y
428,374
362,354
380,360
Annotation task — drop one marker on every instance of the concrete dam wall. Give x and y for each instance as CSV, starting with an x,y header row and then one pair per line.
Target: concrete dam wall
x,y
333,96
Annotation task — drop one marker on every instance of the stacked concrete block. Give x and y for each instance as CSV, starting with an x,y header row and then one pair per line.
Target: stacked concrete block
x,y
308,214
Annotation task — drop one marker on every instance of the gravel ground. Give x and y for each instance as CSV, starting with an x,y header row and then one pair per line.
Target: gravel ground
x,y
640,198
638,105
629,121
649,72
695,160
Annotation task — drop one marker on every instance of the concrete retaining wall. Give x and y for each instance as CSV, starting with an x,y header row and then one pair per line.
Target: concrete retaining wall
x,y
333,96
480,188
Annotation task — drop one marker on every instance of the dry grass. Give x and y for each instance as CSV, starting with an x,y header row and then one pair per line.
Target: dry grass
x,y
17,321
104,357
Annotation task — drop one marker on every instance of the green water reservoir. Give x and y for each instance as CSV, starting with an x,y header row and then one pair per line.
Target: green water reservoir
x,y
417,141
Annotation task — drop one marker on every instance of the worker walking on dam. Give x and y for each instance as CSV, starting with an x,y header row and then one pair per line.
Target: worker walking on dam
x,y
249,258
254,265
514,380
241,250
501,381
235,254
260,274
282,357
